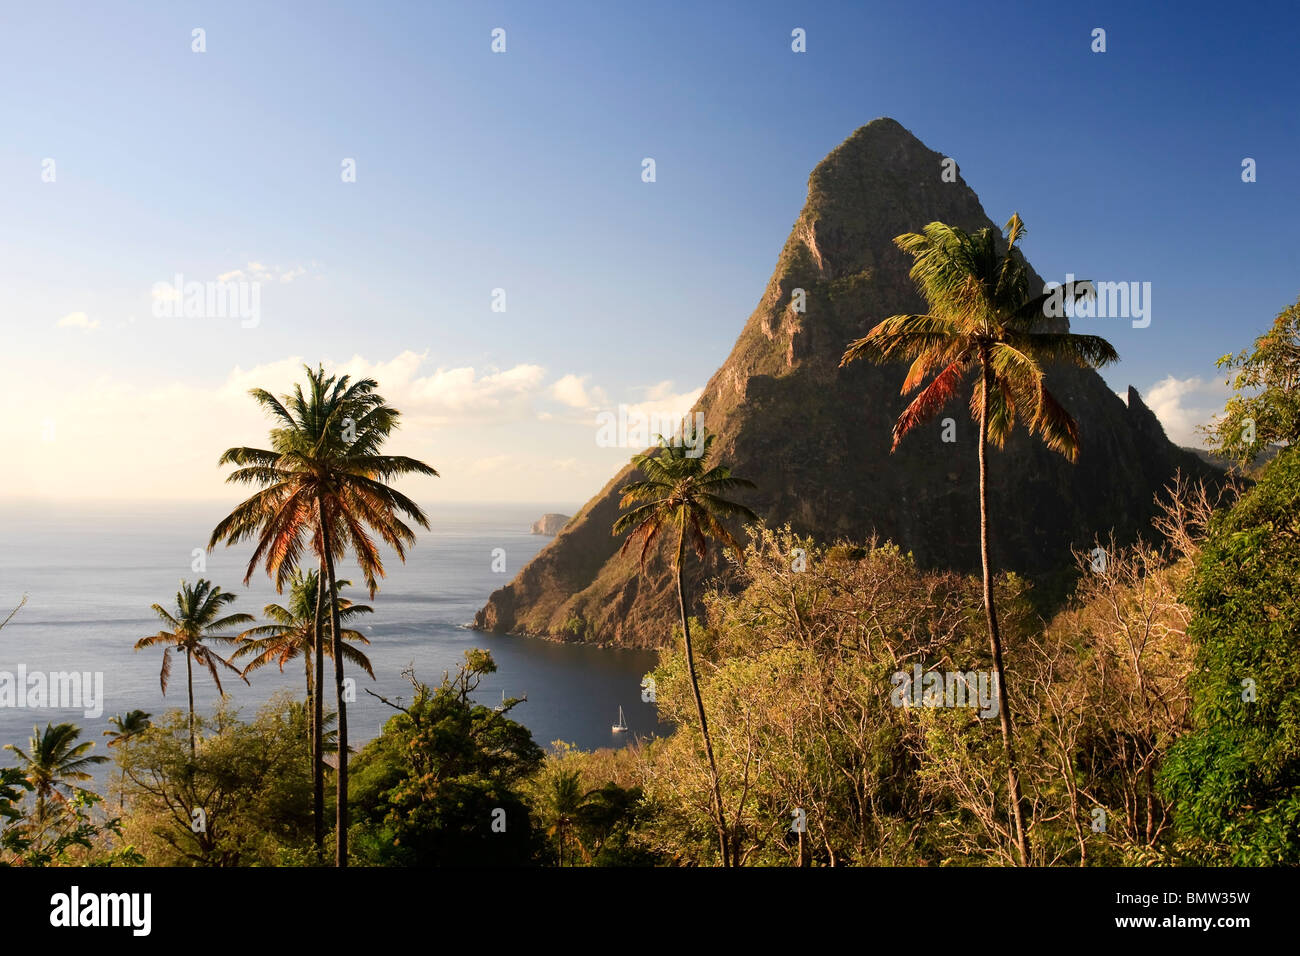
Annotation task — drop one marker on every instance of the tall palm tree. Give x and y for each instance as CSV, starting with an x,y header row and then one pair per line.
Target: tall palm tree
x,y
681,491
198,621
324,485
55,759
292,632
983,319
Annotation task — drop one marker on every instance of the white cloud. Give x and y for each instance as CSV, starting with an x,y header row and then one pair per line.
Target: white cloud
x,y
1183,404
486,430
257,272
585,404
661,402
569,391
572,390
78,320
460,394
657,392
443,396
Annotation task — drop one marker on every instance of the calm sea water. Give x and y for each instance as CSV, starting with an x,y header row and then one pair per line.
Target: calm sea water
x,y
91,571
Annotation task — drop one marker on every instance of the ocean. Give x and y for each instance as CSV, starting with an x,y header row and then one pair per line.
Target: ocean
x,y
91,571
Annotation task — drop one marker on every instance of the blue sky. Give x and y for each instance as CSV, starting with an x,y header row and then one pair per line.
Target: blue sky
x,y
521,171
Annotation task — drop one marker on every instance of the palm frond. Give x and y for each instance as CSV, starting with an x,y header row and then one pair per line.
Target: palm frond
x,y
932,399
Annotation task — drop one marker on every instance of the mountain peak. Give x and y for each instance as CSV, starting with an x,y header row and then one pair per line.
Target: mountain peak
x,y
1142,417
815,438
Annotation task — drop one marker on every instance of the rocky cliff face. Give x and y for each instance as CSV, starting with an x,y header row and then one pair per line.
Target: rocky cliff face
x,y
549,523
815,438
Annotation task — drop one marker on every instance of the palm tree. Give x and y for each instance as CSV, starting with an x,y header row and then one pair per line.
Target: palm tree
x,y
197,623
680,491
983,319
292,632
564,801
324,484
126,726
54,760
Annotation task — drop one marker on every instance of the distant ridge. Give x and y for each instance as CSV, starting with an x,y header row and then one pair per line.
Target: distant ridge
x,y
815,437
1218,461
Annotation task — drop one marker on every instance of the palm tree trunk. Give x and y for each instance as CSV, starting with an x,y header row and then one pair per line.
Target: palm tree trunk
x,y
336,649
995,639
189,679
317,719
306,666
719,814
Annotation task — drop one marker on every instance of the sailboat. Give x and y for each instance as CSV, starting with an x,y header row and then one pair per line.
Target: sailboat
x,y
503,703
621,726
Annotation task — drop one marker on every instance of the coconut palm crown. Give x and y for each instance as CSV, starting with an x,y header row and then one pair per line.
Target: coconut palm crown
x,y
681,491
982,317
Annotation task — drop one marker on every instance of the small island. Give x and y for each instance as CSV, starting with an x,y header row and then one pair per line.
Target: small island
x,y
550,524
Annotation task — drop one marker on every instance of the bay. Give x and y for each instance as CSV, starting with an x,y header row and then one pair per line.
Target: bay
x,y
91,570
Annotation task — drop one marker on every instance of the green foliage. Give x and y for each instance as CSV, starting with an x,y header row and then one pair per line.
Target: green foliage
x,y
607,820
796,677
251,783
52,762
850,290
564,798
13,786
427,791
575,627
797,672
76,839
1103,694
1265,407
125,726
1235,779
60,829
590,807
